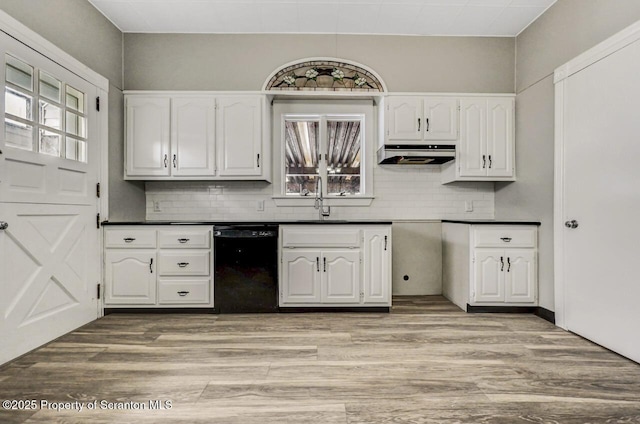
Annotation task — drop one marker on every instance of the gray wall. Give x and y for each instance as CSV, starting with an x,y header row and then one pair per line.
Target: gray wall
x,y
243,62
79,29
567,29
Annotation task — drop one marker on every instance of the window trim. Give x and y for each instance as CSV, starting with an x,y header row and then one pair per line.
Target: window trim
x,y
327,110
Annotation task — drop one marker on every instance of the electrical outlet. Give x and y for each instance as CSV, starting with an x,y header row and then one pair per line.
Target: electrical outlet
x,y
156,206
260,205
468,206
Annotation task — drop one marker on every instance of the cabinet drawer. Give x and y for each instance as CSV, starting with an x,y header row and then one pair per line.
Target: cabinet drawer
x,y
134,238
320,236
187,238
180,292
507,236
184,262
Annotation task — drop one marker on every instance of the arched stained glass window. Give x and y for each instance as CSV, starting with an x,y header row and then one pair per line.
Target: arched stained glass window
x,y
324,75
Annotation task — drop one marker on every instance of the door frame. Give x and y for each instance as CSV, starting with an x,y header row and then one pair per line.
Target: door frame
x,y
15,29
611,45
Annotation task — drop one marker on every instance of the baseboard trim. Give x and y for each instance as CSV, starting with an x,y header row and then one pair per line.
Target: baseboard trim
x,y
108,311
539,311
300,309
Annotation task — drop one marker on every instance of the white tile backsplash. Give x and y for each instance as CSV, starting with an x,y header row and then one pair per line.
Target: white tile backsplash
x,y
401,193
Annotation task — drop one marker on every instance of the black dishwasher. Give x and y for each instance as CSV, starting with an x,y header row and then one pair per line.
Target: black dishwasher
x,y
246,268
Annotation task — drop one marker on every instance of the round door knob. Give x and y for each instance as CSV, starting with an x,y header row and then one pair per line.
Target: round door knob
x,y
571,224
4,225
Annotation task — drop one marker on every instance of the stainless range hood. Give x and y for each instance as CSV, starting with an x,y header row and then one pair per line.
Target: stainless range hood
x,y
416,154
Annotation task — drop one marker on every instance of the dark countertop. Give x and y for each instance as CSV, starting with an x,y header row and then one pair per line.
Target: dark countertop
x,y
490,222
303,222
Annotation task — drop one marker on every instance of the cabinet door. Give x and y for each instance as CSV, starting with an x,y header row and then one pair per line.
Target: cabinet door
x,y
147,136
377,266
404,118
130,277
239,136
500,138
193,136
488,278
341,276
441,119
300,276
520,276
472,149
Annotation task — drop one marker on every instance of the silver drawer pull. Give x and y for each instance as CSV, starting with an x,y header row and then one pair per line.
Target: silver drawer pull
x,y
183,293
505,239
183,240
183,264
128,240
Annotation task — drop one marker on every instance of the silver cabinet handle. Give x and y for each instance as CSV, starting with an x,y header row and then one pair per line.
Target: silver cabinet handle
x,y
505,239
183,240
183,264
484,161
183,293
165,160
501,263
571,224
509,263
418,124
174,160
128,239
4,225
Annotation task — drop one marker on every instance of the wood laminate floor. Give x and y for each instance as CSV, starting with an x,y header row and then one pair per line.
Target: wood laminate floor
x,y
426,362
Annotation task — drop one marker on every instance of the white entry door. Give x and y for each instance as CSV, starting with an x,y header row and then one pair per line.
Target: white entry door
x,y
49,168
599,147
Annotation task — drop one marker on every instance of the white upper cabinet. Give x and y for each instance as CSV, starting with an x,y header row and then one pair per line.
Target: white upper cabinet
x,y
184,136
416,119
485,151
193,125
240,135
147,136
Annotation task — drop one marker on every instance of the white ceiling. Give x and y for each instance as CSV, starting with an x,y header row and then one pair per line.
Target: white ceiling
x,y
401,17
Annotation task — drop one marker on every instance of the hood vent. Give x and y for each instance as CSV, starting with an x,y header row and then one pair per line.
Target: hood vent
x,y
416,154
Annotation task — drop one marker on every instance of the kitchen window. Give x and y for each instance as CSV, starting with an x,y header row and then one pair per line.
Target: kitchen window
x,y
325,151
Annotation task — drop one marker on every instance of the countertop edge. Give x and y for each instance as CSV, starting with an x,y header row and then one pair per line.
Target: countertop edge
x,y
177,223
454,221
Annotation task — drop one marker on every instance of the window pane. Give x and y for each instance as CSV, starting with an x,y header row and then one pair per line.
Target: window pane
x,y
18,135
343,164
301,156
75,99
343,185
49,87
49,143
19,73
50,115
75,149
76,125
17,103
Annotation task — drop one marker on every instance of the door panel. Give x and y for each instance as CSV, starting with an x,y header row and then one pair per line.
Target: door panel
x,y
472,152
341,276
441,119
601,180
520,276
489,275
301,276
147,136
193,136
130,277
239,136
403,116
377,271
500,135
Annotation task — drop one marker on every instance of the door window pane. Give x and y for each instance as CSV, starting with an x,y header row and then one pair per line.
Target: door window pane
x,y
301,156
76,125
18,134
343,163
50,115
19,73
49,143
75,99
76,149
49,87
18,104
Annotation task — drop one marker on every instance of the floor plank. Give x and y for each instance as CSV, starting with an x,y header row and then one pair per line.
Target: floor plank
x,y
425,362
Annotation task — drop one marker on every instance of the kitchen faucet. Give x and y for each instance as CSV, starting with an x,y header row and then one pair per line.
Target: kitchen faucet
x,y
323,211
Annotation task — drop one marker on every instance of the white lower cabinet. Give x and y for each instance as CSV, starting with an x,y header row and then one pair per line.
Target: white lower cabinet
x,y
174,269
490,265
351,269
